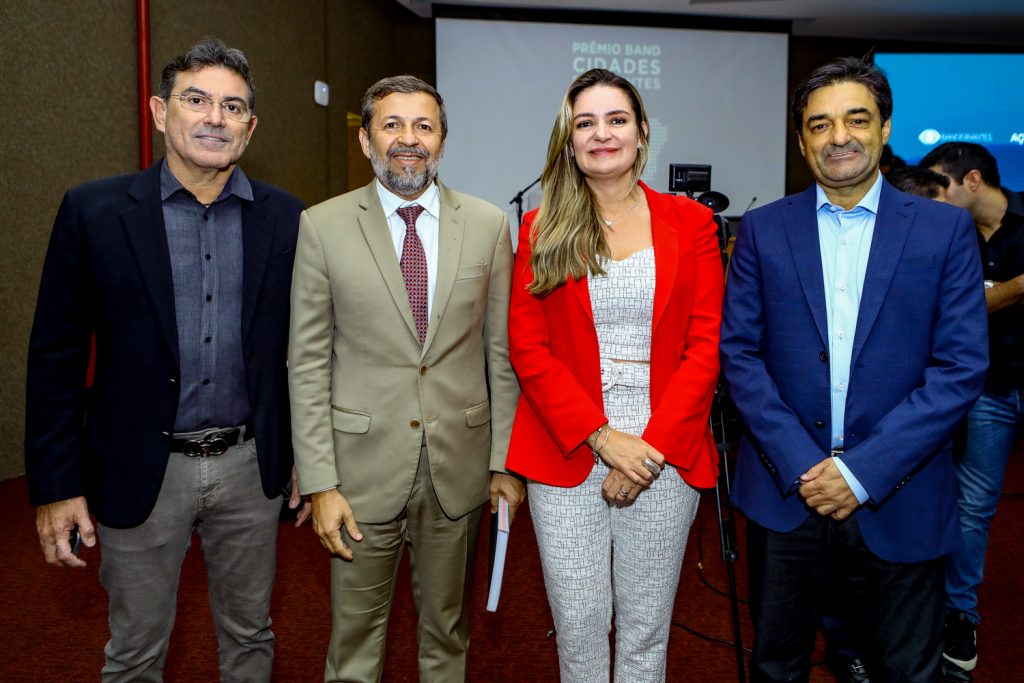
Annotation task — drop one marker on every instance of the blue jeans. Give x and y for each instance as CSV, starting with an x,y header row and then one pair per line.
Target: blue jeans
x,y
992,428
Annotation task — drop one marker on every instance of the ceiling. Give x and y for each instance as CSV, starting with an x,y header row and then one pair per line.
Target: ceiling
x,y
980,22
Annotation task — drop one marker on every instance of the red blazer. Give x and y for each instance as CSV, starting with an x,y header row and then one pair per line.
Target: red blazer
x,y
554,351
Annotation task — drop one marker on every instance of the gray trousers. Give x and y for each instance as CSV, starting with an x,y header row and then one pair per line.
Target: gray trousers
x,y
598,559
222,497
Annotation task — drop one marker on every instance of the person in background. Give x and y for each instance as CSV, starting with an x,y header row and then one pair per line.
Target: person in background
x,y
921,181
182,272
995,420
401,388
613,333
889,162
853,341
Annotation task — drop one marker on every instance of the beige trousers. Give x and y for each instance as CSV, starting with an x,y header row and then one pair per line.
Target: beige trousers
x,y
441,552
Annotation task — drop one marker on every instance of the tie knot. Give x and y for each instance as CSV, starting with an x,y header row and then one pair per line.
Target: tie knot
x,y
409,214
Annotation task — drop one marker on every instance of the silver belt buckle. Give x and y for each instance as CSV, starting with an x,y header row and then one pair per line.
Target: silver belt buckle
x,y
213,444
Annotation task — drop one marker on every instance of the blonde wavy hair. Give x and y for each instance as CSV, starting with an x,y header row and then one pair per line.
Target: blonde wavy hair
x,y
568,238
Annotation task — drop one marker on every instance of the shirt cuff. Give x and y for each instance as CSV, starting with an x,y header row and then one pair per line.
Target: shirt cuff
x,y
851,481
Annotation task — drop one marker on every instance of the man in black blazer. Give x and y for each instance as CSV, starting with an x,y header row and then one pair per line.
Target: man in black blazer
x,y
182,275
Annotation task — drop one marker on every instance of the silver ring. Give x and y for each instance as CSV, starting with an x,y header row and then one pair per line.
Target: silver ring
x,y
623,492
652,466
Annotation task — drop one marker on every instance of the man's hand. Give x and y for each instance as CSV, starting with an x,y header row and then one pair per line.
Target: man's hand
x,y
330,512
615,484
54,523
825,490
627,453
510,488
296,499
1004,294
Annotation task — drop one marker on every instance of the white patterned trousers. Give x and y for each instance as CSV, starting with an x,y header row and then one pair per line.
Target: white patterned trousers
x,y
598,559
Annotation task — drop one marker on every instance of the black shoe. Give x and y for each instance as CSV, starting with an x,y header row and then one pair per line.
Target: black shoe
x,y
951,673
848,670
960,648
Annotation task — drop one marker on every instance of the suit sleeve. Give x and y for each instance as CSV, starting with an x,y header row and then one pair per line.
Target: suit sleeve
x,y
554,393
310,343
504,389
918,427
774,429
58,356
679,423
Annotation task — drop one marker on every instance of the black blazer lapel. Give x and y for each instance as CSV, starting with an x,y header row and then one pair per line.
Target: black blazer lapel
x,y
257,238
801,228
143,223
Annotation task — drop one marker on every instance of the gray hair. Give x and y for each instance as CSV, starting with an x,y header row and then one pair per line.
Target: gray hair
x,y
207,52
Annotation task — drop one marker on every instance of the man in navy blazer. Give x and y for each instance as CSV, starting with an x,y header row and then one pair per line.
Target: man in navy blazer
x,y
853,341
182,274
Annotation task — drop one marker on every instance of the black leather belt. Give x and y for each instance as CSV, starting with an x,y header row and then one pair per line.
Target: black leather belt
x,y
214,443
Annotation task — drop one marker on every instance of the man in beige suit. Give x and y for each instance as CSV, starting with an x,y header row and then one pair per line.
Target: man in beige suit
x,y
401,391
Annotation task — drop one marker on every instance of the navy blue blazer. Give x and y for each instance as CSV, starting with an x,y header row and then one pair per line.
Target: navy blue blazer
x,y
108,271
919,359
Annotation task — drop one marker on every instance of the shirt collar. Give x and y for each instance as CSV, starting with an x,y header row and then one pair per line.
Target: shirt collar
x,y
1013,202
869,201
430,200
238,184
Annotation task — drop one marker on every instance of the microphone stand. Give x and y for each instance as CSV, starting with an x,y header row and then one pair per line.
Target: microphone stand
x,y
723,503
726,523
518,201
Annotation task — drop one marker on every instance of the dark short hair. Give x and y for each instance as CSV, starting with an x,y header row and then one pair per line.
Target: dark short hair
x,y
918,180
957,159
402,84
843,70
207,52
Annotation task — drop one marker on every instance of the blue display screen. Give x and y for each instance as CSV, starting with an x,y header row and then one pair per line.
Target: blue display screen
x,y
958,98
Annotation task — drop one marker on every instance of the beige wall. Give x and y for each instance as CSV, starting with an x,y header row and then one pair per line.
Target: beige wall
x,y
68,114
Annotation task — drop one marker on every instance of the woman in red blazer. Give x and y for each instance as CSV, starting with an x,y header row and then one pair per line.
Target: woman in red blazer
x,y
613,333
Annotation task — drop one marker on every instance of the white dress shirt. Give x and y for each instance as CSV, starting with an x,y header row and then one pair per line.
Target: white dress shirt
x,y
427,227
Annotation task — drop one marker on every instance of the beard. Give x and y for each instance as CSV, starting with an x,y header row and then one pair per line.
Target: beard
x,y
406,181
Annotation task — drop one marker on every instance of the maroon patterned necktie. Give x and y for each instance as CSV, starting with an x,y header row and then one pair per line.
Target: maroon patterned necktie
x,y
414,269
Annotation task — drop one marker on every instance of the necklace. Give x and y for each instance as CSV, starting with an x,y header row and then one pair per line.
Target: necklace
x,y
608,223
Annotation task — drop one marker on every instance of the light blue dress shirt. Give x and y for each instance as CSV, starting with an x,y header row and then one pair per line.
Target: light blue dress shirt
x,y
845,241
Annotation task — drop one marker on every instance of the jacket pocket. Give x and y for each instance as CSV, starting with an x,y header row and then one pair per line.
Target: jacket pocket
x,y
479,414
472,271
350,421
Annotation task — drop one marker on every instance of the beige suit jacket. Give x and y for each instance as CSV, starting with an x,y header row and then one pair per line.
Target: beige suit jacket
x,y
363,393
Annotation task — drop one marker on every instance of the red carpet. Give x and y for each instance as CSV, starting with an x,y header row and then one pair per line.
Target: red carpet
x,y
53,621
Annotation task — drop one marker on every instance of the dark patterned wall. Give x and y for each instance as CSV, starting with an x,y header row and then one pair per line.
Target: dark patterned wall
x,y
68,114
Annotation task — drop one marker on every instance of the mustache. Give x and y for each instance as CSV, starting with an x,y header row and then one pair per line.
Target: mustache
x,y
851,146
408,151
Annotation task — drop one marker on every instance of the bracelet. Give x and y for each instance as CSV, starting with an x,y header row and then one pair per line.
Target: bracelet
x,y
607,435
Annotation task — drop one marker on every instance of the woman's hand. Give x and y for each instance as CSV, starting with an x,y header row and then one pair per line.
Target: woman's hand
x,y
630,455
618,490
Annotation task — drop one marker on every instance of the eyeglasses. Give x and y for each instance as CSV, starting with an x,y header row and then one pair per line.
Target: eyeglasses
x,y
233,109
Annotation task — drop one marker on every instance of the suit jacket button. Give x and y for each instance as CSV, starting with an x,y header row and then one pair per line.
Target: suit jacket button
x,y
823,356
415,424
424,370
819,424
